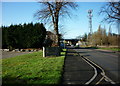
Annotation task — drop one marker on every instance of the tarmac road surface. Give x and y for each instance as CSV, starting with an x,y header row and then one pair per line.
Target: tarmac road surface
x,y
108,60
90,67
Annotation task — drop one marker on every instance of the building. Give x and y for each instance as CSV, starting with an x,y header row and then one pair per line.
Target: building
x,y
70,41
51,38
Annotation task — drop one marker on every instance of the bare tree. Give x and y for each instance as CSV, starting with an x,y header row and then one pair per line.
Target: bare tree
x,y
112,11
51,12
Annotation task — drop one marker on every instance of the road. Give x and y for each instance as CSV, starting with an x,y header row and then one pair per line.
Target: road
x,y
107,60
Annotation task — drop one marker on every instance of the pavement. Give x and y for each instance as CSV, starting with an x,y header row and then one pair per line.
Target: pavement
x,y
76,70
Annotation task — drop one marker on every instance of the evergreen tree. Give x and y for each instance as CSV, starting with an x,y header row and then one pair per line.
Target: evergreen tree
x,y
23,36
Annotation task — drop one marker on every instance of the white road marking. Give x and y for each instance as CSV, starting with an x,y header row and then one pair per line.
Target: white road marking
x,y
103,73
69,83
88,82
108,79
99,81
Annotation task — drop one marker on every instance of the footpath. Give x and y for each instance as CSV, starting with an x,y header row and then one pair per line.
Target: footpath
x,y
76,70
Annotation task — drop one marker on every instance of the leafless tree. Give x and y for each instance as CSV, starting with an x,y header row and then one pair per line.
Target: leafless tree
x,y
112,12
51,12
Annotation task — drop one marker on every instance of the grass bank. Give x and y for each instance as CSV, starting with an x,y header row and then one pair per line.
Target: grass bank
x,y
32,69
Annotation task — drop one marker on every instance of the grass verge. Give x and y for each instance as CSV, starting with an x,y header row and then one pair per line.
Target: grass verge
x,y
113,49
105,48
32,69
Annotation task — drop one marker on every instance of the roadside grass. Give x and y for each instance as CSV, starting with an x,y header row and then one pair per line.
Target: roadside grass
x,y
105,48
113,49
32,69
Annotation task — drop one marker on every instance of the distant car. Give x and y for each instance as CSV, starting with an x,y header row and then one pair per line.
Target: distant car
x,y
68,44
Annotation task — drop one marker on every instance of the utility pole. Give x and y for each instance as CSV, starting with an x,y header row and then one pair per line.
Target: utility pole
x,y
90,24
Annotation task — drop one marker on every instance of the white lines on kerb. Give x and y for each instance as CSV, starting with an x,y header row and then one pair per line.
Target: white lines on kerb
x,y
94,74
102,73
99,80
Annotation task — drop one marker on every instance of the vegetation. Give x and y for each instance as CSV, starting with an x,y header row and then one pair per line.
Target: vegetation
x,y
111,11
32,69
101,38
23,36
52,11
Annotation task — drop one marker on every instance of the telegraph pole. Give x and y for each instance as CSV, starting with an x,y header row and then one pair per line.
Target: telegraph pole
x,y
90,24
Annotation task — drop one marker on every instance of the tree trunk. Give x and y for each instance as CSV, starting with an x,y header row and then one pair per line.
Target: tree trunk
x,y
57,34
56,29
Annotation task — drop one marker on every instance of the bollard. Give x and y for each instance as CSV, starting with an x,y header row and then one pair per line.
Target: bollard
x,y
44,52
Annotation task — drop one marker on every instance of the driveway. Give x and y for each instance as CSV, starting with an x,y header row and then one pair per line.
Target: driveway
x,y
8,54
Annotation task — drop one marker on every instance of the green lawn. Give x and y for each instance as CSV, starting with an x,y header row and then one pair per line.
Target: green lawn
x,y
32,69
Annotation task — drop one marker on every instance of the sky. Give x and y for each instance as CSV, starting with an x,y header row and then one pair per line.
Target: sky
x,y
77,24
